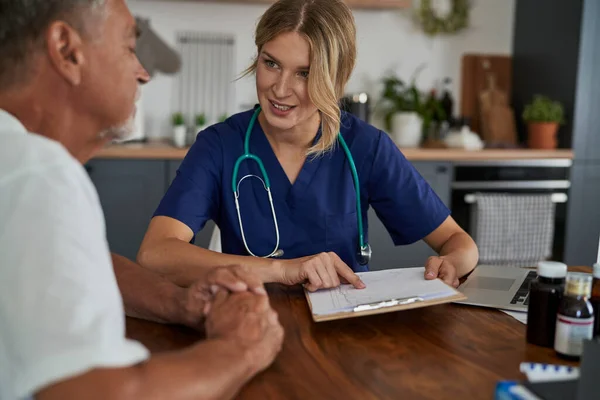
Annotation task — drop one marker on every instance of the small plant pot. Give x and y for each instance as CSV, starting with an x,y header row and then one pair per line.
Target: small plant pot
x,y
179,136
407,129
542,135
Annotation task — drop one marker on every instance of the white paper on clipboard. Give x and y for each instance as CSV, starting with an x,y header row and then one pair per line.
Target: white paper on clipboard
x,y
381,286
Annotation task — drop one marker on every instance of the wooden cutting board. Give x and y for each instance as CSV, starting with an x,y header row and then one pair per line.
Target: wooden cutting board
x,y
495,116
474,81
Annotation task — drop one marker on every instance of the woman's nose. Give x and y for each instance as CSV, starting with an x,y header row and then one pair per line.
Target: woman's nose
x,y
282,86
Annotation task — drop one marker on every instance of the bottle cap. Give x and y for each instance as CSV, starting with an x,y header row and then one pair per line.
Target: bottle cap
x,y
552,269
578,284
596,270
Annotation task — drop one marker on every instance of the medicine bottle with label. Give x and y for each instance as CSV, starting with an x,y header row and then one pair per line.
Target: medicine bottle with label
x,y
595,300
575,318
545,293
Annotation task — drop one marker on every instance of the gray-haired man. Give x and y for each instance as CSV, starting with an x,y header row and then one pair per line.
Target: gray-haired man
x,y
68,82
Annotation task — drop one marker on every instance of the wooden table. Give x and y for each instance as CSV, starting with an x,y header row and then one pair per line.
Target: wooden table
x,y
448,351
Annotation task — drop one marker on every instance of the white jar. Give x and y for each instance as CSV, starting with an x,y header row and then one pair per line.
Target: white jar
x,y
179,135
407,129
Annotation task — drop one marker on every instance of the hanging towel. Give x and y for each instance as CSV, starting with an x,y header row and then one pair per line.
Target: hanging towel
x,y
513,229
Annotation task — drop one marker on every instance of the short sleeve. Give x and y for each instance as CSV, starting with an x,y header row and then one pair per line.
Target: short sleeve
x,y
194,195
404,202
61,311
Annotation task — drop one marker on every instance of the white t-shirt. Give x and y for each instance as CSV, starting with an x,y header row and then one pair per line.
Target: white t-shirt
x,y
61,312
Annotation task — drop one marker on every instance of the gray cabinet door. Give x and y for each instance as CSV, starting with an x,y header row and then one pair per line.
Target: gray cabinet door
x,y
583,215
203,237
129,192
585,117
385,254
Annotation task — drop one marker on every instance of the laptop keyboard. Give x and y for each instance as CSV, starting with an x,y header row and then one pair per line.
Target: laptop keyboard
x,y
522,295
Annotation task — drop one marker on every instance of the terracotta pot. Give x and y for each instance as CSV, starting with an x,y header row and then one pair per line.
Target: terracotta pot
x,y
542,135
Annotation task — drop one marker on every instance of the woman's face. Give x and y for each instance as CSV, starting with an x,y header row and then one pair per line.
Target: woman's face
x,y
282,82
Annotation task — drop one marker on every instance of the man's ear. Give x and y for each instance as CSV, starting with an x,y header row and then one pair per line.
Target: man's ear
x,y
65,50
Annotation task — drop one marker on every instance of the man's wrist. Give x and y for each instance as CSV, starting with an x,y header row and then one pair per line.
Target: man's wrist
x,y
240,355
178,309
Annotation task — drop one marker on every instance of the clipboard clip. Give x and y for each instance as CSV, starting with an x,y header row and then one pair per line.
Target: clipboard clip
x,y
387,303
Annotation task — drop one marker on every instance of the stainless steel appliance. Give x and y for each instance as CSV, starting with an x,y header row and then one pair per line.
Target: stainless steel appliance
x,y
513,176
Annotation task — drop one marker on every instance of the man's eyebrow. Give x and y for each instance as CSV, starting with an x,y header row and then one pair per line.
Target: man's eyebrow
x,y
134,32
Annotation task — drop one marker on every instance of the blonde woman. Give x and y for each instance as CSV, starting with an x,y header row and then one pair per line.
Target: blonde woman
x,y
289,182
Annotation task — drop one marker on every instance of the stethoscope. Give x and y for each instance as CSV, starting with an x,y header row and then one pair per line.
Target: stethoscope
x,y
364,249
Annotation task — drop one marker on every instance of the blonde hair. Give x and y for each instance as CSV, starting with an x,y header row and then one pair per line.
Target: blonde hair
x,y
328,26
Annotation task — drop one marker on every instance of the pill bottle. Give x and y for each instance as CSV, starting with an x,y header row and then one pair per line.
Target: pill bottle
x,y
575,318
545,294
595,299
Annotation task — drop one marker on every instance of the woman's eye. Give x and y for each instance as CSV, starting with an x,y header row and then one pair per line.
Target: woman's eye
x,y
303,74
270,64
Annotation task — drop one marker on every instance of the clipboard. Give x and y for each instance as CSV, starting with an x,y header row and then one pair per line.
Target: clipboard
x,y
344,301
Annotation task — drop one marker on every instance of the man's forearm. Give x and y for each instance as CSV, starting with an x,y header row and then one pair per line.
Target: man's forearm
x,y
462,252
214,369
146,294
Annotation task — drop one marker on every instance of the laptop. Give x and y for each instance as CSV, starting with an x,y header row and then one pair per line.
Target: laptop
x,y
501,287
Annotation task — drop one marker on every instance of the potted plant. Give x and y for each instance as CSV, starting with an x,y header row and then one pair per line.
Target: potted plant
x,y
408,113
200,121
543,116
179,130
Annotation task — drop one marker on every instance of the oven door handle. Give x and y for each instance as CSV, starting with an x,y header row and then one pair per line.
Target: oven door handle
x,y
479,185
556,198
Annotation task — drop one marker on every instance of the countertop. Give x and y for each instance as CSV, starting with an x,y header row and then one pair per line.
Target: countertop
x,y
164,150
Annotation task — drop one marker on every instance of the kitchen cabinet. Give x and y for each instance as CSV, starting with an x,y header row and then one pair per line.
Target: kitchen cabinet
x,y
129,192
372,4
583,218
586,118
385,254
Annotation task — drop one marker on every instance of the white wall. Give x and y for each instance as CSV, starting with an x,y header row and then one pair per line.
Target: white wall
x,y
387,40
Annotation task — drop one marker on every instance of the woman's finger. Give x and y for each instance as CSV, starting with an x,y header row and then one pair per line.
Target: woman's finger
x,y
329,263
346,273
314,281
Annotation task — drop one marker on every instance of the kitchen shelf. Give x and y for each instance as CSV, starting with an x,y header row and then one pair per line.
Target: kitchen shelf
x,y
357,4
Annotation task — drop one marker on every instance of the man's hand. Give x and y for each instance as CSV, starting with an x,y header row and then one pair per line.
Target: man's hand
x,y
324,270
248,322
196,301
439,267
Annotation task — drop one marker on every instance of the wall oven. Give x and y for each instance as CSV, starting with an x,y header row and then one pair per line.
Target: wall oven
x,y
513,176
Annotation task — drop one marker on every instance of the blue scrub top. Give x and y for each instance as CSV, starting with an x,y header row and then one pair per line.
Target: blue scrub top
x,y
315,214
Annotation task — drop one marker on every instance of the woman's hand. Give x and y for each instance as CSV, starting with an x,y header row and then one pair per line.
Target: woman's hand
x,y
196,301
439,267
320,271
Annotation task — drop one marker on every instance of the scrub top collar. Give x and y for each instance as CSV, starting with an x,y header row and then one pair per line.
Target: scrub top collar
x,y
263,149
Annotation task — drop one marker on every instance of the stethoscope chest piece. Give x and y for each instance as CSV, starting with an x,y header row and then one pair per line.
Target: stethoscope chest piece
x,y
364,254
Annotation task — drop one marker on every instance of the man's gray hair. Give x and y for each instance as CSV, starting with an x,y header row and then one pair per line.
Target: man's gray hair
x,y
22,25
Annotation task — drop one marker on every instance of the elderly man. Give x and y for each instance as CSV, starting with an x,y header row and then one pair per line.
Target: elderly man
x,y
68,81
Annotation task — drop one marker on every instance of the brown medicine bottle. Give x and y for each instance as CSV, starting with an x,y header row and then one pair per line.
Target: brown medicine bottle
x,y
595,299
545,294
575,318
